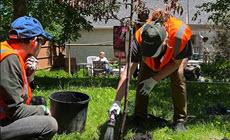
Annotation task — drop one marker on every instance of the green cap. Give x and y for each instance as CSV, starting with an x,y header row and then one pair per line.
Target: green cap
x,y
153,35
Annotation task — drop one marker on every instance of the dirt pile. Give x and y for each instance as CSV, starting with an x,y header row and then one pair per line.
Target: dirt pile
x,y
141,136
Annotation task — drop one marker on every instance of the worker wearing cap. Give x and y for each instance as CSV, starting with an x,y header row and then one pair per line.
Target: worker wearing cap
x,y
162,48
18,119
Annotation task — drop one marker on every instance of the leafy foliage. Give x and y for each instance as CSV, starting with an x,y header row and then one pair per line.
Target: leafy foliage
x,y
219,10
106,10
63,22
222,44
220,16
6,18
217,71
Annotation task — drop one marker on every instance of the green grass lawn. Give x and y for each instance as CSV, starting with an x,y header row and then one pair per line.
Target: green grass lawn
x,y
103,90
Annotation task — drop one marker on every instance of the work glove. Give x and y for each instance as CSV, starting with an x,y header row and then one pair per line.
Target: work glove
x,y
147,86
115,108
46,110
31,63
31,66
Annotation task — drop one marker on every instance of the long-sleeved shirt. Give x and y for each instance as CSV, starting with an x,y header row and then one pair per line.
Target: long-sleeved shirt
x,y
11,85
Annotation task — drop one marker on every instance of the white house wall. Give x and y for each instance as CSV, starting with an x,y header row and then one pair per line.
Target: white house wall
x,y
93,37
105,35
199,47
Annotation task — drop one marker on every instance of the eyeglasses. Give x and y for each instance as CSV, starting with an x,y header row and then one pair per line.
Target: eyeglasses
x,y
43,40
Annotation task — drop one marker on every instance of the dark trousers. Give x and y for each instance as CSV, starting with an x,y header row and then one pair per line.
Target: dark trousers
x,y
178,89
30,128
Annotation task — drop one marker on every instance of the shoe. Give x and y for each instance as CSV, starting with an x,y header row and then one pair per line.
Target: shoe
x,y
179,126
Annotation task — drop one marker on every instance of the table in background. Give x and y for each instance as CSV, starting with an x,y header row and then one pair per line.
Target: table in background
x,y
83,66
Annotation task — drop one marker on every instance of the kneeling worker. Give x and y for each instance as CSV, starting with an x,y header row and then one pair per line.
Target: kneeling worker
x,y
18,119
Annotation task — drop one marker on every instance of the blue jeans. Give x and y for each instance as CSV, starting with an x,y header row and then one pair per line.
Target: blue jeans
x,y
108,69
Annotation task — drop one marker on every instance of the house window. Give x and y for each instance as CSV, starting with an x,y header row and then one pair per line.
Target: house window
x,y
195,49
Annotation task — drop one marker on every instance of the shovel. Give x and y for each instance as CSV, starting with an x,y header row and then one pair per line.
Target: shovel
x,y
110,127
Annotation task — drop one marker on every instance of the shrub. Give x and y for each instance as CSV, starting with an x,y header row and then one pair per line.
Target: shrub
x,y
218,71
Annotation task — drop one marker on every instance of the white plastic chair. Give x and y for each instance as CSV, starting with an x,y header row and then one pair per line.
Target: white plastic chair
x,y
90,60
115,72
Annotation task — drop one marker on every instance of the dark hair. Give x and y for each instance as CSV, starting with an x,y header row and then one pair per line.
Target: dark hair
x,y
24,40
15,40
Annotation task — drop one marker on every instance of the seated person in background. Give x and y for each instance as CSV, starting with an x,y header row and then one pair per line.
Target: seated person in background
x,y
103,58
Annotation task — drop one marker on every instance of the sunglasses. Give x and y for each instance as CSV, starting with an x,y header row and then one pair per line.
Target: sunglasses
x,y
42,39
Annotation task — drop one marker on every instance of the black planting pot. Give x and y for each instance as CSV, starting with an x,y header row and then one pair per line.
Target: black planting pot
x,y
69,108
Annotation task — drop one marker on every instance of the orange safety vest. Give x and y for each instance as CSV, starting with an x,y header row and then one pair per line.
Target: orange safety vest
x,y
27,93
179,34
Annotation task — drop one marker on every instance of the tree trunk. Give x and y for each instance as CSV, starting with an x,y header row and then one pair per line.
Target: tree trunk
x,y
19,8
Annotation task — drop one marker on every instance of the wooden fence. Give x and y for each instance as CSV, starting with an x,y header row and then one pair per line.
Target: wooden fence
x,y
48,55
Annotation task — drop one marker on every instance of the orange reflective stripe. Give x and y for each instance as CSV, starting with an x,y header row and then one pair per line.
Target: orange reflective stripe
x,y
27,93
6,53
152,63
179,34
26,88
178,39
138,36
186,37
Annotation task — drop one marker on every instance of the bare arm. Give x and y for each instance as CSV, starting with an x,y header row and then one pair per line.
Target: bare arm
x,y
167,70
121,84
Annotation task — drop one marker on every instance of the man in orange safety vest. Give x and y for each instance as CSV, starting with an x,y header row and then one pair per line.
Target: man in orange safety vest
x,y
18,119
163,46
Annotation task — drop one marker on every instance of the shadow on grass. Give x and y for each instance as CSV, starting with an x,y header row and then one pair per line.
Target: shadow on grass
x,y
148,125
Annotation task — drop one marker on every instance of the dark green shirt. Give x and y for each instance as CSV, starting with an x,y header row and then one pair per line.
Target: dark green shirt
x,y
11,90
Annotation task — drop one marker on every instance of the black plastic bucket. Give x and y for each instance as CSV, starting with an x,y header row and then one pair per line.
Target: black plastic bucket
x,y
69,108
